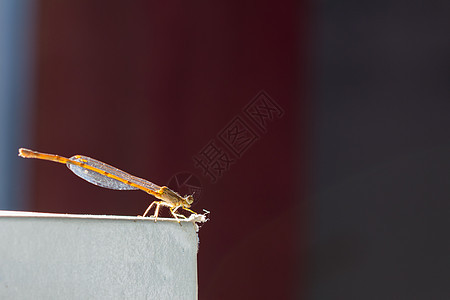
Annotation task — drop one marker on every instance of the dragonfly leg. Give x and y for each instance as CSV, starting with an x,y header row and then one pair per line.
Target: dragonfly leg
x,y
190,210
174,214
148,208
158,203
178,215
175,209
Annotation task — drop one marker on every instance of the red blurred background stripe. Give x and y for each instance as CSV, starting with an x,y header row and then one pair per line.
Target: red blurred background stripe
x,y
145,86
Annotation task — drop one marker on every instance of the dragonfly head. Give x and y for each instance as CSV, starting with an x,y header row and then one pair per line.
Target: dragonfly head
x,y
188,201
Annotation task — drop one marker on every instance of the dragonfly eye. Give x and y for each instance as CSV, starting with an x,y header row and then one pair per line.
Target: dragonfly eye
x,y
189,199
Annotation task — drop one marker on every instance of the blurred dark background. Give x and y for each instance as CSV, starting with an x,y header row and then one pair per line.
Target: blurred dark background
x,y
316,133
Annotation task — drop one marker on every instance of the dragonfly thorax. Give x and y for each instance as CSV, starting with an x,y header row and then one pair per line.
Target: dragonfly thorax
x,y
173,198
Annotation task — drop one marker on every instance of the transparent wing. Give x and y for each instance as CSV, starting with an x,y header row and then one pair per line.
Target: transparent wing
x,y
106,180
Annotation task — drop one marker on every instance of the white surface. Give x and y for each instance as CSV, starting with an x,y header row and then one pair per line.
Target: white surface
x,y
55,256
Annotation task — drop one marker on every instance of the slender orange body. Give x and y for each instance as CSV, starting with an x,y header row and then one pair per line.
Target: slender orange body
x,y
108,176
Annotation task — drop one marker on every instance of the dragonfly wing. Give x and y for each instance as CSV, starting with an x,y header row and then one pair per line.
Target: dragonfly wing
x,y
98,178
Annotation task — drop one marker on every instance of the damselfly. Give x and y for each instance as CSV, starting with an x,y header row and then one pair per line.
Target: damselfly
x,y
104,175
